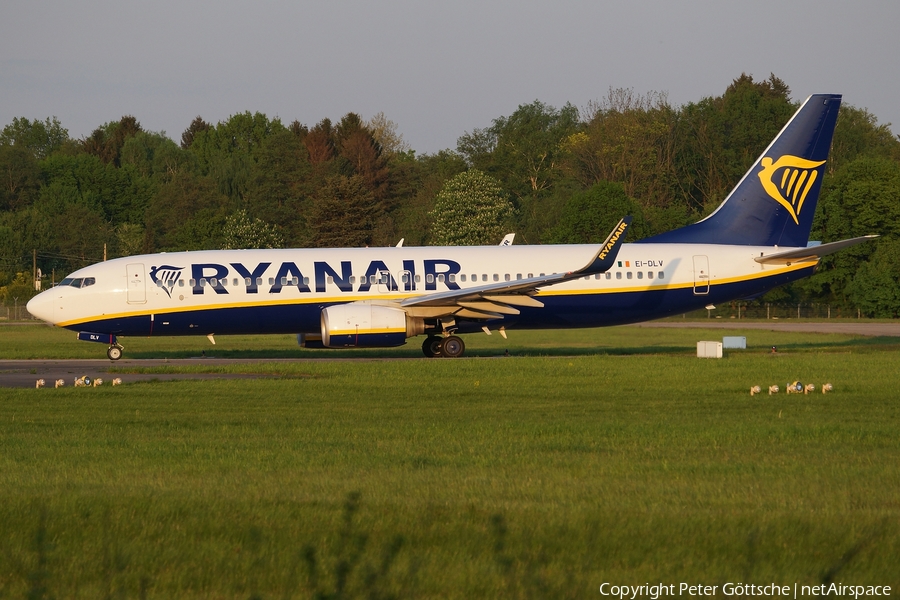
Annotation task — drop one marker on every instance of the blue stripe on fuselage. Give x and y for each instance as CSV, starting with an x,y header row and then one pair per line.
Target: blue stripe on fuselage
x,y
559,311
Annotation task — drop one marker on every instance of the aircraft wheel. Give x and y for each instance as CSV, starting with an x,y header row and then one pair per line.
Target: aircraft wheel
x,y
431,347
452,347
114,352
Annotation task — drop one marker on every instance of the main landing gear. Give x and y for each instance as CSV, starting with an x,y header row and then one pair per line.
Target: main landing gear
x,y
451,346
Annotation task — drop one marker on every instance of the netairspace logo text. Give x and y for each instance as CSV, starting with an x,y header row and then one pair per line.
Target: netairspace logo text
x,y
663,590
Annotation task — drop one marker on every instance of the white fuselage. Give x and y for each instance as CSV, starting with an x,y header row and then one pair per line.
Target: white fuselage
x,y
285,290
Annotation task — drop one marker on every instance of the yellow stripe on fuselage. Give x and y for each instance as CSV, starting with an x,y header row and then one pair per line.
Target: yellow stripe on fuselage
x,y
547,292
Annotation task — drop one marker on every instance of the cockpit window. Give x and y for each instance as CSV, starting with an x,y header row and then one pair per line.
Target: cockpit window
x,y
78,282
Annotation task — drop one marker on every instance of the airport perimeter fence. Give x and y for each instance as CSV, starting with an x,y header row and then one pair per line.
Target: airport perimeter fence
x,y
16,312
776,311
728,310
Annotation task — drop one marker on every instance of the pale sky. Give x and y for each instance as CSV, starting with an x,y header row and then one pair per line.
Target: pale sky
x,y
437,69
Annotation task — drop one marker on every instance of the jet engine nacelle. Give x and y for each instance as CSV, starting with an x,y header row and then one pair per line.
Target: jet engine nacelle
x,y
364,325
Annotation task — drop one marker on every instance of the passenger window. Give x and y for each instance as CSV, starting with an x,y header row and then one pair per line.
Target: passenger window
x,y
284,281
608,275
628,275
484,276
440,278
496,277
181,283
271,281
662,274
506,277
418,279
640,274
452,277
247,281
618,274
429,278
649,274
259,281
203,282
328,279
518,276
462,277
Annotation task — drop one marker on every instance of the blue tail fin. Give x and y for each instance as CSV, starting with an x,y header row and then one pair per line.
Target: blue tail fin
x,y
773,204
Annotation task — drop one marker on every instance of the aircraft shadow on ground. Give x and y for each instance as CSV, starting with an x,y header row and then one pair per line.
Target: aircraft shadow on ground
x,y
411,351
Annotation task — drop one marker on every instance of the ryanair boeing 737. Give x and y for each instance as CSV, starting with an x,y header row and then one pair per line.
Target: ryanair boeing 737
x,y
756,240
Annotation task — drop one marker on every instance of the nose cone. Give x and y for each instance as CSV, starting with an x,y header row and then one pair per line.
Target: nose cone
x,y
41,306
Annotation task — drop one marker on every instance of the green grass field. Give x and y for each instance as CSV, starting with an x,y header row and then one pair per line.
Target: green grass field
x,y
585,457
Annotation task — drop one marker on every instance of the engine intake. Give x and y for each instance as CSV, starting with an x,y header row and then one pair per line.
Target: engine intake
x,y
363,325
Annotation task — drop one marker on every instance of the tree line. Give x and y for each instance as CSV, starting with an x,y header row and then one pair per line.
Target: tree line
x,y
551,175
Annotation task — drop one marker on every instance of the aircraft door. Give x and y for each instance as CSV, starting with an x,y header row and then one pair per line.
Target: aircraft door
x,y
701,275
137,284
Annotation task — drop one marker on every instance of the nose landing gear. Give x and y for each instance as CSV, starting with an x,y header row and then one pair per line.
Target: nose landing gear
x,y
114,352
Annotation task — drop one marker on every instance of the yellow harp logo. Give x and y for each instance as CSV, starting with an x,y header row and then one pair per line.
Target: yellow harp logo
x,y
788,181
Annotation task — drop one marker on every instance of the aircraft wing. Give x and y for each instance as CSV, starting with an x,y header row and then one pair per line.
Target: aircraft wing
x,y
812,253
493,300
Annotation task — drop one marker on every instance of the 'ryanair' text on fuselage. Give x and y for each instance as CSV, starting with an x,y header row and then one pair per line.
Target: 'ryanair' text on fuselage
x,y
207,275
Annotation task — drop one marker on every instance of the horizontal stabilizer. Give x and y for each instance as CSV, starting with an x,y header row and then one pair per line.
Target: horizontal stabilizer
x,y
812,253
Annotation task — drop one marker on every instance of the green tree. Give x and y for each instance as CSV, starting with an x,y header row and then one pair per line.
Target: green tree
x,y
589,216
875,287
106,142
240,231
470,210
344,213
155,156
630,139
722,137
119,194
18,292
525,153
862,198
19,177
858,134
129,239
40,138
229,151
196,126
384,132
281,186
522,150
416,182
187,213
